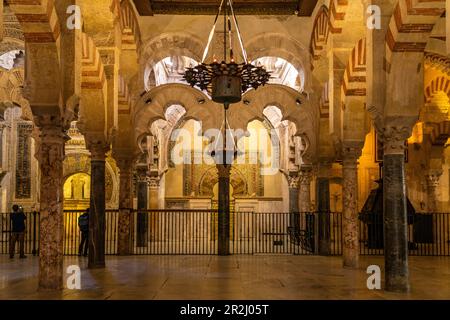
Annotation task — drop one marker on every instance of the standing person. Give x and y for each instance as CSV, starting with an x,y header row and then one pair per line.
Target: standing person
x,y
18,232
83,224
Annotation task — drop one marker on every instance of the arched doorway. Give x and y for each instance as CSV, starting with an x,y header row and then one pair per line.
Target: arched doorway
x,y
77,191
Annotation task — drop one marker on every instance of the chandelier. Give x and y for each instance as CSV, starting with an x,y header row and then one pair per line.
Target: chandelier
x,y
226,81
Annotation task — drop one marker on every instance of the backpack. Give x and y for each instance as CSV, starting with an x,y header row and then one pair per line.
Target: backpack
x,y
83,222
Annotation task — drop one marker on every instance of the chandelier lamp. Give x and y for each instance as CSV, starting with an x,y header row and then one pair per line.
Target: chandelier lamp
x,y
226,80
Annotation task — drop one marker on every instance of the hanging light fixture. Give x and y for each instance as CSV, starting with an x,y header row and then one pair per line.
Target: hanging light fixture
x,y
226,80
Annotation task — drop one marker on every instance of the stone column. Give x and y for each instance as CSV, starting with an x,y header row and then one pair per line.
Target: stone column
x,y
350,230
305,176
125,244
323,208
306,222
142,206
432,178
293,180
153,203
224,209
98,149
395,210
50,155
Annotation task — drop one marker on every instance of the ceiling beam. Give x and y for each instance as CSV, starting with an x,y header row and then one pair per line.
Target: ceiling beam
x,y
242,7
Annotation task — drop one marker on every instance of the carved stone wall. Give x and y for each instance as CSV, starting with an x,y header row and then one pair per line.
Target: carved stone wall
x,y
23,161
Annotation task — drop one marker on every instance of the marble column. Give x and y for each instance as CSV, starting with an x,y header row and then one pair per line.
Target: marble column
x,y
224,209
125,244
395,210
323,208
153,203
305,176
98,149
50,155
432,179
293,180
350,231
142,206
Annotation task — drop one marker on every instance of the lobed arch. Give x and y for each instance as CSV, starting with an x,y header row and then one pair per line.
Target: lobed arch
x,y
210,178
154,103
294,107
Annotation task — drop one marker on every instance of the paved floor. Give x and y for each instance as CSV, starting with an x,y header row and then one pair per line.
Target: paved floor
x,y
234,277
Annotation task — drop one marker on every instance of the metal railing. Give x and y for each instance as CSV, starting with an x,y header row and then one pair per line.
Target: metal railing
x,y
31,239
195,232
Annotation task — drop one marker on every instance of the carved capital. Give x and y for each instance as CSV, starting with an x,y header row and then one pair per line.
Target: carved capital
x,y
305,175
351,153
97,146
394,139
153,182
432,177
141,173
223,170
125,165
293,180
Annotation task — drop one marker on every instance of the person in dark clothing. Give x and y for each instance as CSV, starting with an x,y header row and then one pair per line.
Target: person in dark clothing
x,y
83,224
18,231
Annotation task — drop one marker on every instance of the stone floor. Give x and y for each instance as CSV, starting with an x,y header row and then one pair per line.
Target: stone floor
x,y
235,277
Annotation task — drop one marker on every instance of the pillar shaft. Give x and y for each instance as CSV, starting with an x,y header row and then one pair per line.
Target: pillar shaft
x,y
323,208
395,210
224,209
293,181
142,205
97,206
305,176
51,157
432,179
125,245
350,207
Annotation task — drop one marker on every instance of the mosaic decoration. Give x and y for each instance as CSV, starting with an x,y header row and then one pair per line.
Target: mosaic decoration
x,y
23,160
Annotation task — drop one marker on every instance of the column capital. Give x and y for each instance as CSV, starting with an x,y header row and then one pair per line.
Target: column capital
x,y
432,177
223,170
153,182
293,180
97,145
305,174
125,164
351,151
394,137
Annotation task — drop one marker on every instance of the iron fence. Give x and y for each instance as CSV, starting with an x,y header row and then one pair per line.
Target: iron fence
x,y
31,238
195,232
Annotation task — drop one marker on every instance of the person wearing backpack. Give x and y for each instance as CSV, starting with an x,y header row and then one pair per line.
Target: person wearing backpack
x,y
83,224
18,231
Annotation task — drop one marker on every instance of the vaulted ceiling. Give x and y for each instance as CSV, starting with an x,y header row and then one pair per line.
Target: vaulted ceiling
x,y
249,7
